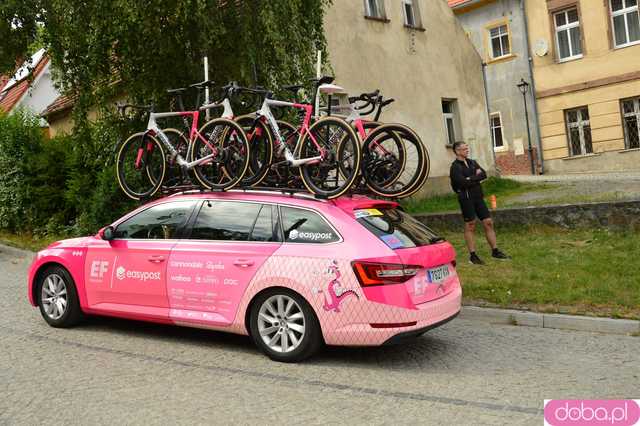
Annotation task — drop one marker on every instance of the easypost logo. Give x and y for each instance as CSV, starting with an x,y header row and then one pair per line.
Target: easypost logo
x,y
120,272
579,412
310,236
143,276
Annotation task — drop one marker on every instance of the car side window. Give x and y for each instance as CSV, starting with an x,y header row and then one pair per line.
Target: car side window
x,y
264,229
159,222
226,221
305,226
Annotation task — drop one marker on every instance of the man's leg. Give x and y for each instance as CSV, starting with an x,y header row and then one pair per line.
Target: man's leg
x,y
490,232
469,231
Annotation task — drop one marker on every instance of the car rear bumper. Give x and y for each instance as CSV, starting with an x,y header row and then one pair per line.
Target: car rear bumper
x,y
410,323
410,335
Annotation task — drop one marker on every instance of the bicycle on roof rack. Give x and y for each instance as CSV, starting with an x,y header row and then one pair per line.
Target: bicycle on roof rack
x,y
218,153
395,163
327,152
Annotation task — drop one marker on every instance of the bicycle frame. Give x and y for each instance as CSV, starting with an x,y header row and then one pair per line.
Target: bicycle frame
x,y
154,130
265,111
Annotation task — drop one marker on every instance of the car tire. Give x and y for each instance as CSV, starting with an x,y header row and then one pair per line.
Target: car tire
x,y
266,322
57,298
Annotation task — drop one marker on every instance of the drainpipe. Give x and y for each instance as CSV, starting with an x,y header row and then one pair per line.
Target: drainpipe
x,y
533,85
486,104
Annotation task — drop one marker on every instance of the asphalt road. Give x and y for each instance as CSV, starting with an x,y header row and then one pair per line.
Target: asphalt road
x,y
110,371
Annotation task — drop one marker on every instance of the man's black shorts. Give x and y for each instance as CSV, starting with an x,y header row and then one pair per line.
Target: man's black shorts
x,y
472,208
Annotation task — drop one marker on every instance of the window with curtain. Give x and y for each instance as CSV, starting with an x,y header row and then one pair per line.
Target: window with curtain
x,y
568,35
496,131
626,22
631,123
579,131
499,41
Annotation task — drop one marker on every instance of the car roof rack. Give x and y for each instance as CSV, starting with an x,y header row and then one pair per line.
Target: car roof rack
x,y
174,191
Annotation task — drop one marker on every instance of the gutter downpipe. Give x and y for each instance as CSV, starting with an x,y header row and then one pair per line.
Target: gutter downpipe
x,y
533,86
486,104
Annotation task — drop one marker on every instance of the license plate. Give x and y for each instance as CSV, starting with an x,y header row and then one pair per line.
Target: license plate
x,y
439,274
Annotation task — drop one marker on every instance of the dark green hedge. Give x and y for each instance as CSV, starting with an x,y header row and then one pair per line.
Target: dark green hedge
x,y
60,186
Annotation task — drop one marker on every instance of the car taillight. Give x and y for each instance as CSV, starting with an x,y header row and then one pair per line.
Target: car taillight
x,y
370,274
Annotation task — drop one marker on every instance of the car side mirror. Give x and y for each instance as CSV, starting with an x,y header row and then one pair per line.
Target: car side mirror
x,y
107,233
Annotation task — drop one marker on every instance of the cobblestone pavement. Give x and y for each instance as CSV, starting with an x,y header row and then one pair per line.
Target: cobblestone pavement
x,y
116,372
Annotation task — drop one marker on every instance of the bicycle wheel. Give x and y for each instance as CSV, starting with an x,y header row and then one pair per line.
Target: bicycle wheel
x,y
223,150
260,148
174,175
335,141
140,166
391,173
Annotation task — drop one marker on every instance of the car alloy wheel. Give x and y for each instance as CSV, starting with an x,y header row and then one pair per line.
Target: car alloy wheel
x,y
281,323
54,296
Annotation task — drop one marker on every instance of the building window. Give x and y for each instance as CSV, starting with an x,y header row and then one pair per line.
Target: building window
x,y
626,22
496,131
411,12
499,38
568,36
374,9
579,131
631,120
449,111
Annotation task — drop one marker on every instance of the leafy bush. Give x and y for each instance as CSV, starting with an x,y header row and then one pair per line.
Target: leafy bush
x,y
60,186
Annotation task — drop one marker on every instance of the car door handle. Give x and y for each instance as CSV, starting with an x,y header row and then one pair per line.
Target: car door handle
x,y
243,263
156,259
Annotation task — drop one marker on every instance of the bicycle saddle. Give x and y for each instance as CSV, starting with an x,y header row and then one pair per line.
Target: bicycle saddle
x,y
203,84
327,79
293,87
387,102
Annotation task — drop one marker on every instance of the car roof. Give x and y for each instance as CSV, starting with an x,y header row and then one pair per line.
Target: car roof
x,y
347,203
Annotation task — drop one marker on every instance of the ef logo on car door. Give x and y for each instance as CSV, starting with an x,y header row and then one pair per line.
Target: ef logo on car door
x,y
98,269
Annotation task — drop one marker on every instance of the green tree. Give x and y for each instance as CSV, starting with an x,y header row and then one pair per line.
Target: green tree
x,y
100,48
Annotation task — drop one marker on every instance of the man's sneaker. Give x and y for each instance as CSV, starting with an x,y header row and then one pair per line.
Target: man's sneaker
x,y
497,254
475,260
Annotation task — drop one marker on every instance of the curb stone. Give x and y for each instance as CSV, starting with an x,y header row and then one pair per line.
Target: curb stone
x,y
557,321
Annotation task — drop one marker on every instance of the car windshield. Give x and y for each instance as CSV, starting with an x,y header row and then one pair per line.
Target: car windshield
x,y
396,228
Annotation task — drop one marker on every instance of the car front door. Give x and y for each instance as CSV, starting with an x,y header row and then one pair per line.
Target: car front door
x,y
209,271
127,275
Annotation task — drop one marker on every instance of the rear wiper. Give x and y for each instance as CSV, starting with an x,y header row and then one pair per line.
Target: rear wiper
x,y
434,240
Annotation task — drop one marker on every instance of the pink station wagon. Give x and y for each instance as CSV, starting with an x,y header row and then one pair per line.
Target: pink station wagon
x,y
292,272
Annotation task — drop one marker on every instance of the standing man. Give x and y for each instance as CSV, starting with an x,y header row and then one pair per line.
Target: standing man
x,y
466,175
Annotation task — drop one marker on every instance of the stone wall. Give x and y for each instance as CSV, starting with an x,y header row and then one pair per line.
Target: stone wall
x,y
621,215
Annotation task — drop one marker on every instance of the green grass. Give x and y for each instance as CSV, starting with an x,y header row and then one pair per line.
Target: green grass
x,y
27,241
499,187
591,272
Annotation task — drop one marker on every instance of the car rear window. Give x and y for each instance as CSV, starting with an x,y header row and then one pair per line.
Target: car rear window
x,y
396,228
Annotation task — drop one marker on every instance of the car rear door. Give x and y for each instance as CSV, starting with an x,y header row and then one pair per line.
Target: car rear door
x,y
209,271
127,275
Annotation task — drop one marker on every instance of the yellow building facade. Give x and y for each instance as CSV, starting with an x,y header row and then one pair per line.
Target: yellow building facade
x,y
586,65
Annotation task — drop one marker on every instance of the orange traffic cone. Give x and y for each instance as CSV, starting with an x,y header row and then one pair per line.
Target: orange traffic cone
x,y
494,202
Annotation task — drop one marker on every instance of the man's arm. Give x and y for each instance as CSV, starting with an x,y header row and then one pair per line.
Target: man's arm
x,y
479,173
458,178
